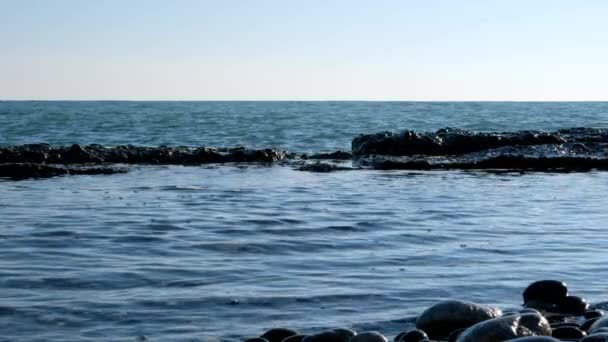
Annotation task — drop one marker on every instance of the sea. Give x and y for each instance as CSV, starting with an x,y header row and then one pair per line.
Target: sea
x,y
225,252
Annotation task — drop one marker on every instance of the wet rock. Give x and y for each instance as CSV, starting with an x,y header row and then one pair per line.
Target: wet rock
x,y
294,338
597,337
572,305
601,322
414,335
322,167
334,335
19,171
129,154
568,333
369,336
593,313
535,339
529,310
445,142
453,336
588,323
256,339
338,155
550,291
278,334
441,319
505,328
565,324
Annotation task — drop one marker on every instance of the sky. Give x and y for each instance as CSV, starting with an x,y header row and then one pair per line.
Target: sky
x,y
515,50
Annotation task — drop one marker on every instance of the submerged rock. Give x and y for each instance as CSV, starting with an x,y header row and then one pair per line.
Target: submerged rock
x,y
441,319
507,327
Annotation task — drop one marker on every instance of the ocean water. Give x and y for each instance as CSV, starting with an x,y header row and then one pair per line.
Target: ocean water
x,y
223,252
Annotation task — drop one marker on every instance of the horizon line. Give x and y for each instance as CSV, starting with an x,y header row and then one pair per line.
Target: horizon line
x,y
286,100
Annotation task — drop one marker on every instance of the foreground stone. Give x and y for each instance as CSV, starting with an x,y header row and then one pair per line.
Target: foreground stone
x,y
506,328
441,319
278,334
333,335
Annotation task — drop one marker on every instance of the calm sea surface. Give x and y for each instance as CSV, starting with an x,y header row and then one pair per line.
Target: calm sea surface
x,y
222,252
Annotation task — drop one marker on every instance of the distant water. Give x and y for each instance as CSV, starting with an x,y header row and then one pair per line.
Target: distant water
x,y
223,252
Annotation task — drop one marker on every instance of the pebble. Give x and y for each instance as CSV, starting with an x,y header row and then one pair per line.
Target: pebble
x,y
369,336
278,334
442,318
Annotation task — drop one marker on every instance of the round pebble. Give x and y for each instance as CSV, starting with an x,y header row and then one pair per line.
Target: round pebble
x,y
414,335
568,333
278,334
369,336
546,290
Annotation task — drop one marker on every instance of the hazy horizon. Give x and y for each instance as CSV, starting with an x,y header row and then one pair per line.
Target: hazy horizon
x,y
314,51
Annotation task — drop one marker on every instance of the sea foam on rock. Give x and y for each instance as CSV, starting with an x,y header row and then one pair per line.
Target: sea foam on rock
x,y
442,318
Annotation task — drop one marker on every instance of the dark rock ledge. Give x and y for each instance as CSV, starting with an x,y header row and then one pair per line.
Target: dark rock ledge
x,y
568,150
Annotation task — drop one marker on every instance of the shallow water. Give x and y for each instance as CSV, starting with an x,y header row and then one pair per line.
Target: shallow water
x,y
222,252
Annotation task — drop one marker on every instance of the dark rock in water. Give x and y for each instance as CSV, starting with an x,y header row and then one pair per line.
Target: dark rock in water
x,y
414,335
541,306
588,323
598,337
338,155
529,310
294,338
593,313
369,336
453,336
505,328
568,333
601,322
572,305
334,335
446,142
551,291
562,151
441,319
322,167
278,334
565,324
534,339
97,154
18,171
256,339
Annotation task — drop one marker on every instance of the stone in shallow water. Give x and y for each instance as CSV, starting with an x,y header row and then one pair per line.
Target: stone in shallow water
x,y
572,305
294,338
505,328
534,339
568,333
593,313
598,337
588,323
601,322
278,334
550,291
442,318
256,339
334,335
414,335
369,336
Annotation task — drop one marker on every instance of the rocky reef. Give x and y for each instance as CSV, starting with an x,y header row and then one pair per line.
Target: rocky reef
x,y
568,150
575,149
549,313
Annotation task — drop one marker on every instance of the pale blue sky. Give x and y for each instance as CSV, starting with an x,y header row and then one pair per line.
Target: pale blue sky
x,y
304,50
